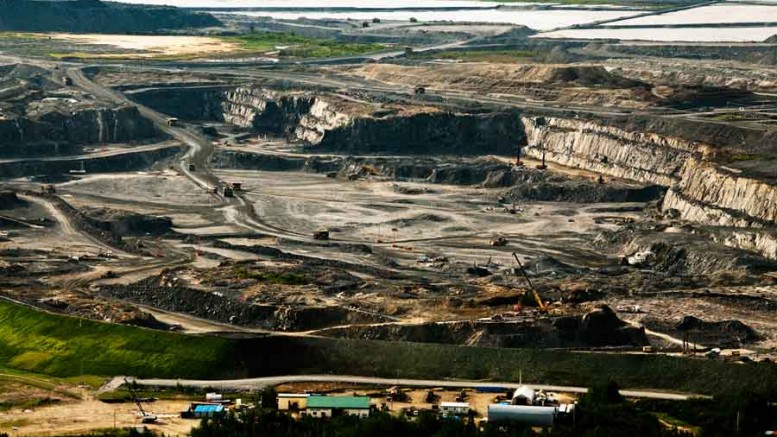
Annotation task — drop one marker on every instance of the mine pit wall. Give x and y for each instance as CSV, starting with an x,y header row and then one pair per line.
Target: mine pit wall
x,y
65,134
130,161
700,191
643,157
654,151
247,107
332,124
423,134
186,103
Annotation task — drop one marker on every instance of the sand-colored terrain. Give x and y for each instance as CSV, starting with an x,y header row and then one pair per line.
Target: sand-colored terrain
x,y
84,416
152,45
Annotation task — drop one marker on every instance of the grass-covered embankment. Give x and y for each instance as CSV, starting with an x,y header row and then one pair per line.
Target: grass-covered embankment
x,y
54,345
39,342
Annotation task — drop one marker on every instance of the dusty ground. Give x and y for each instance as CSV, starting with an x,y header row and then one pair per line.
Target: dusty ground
x,y
82,416
151,46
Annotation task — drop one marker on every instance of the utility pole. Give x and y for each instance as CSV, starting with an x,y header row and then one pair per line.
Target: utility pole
x,y
738,422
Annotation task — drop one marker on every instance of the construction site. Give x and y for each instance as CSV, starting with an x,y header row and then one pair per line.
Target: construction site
x,y
605,197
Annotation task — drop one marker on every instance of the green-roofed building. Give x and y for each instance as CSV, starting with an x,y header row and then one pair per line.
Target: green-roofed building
x,y
331,406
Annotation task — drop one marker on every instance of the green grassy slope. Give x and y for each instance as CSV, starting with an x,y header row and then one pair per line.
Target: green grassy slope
x,y
39,342
297,46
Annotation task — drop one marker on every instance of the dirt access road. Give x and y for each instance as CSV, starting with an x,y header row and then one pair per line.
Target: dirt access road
x,y
257,383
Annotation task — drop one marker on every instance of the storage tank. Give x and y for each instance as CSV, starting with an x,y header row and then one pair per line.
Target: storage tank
x,y
530,415
523,395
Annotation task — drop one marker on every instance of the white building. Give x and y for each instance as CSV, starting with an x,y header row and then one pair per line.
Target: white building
x,y
454,408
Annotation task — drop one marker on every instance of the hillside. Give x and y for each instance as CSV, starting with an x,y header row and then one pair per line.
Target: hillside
x,y
95,16
54,345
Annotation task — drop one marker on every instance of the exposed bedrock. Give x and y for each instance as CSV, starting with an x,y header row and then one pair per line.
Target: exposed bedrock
x,y
644,157
700,190
445,133
57,133
729,198
337,124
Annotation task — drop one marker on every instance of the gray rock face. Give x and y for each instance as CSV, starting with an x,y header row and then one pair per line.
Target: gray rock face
x,y
330,123
58,133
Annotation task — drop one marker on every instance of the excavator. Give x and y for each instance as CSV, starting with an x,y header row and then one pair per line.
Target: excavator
x,y
144,416
540,304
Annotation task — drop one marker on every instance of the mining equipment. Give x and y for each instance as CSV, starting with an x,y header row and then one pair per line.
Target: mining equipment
x,y
543,308
192,167
237,186
47,189
512,209
228,191
172,121
370,170
419,90
321,234
499,242
144,416
67,81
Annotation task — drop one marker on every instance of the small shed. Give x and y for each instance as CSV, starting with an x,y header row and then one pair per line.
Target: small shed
x,y
454,408
292,401
207,410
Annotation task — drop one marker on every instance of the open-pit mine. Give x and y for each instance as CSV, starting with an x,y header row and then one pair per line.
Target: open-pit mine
x,y
299,204
417,182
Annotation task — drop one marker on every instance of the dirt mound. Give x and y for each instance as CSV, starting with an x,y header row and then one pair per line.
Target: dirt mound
x,y
689,254
544,264
498,75
598,328
583,192
771,40
422,218
602,327
126,223
727,328
725,333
